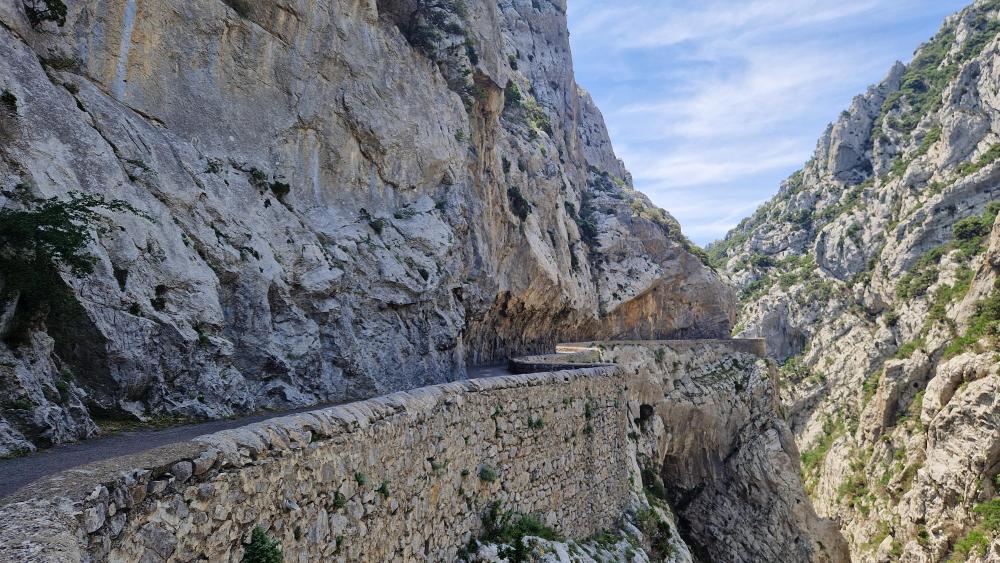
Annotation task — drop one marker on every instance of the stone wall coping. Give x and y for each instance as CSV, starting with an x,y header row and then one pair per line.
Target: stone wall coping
x,y
756,346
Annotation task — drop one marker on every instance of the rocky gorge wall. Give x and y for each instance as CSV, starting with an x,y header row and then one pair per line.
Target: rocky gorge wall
x,y
709,427
873,277
333,200
402,477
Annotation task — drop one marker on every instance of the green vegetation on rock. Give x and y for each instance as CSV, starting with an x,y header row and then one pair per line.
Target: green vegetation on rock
x,y
262,548
508,529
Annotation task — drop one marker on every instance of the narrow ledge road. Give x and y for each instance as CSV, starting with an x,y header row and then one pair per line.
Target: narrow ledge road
x,y
18,472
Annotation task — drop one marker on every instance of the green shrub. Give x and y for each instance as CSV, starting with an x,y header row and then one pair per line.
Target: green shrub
x,y
870,387
512,96
653,484
280,189
975,542
923,83
970,228
814,458
470,52
45,236
924,274
989,511
983,161
985,322
508,530
487,474
262,549
930,139
60,62
891,318
40,11
907,350
761,261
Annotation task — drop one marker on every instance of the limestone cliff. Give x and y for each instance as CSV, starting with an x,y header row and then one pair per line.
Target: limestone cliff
x,y
331,199
873,276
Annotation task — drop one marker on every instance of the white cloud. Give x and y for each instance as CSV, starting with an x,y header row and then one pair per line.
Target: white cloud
x,y
712,102
772,87
697,165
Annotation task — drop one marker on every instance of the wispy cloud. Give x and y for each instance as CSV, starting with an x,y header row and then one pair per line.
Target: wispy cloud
x,y
729,96
698,164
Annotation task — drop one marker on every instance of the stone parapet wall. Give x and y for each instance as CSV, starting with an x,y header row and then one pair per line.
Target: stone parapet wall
x,y
401,477
753,346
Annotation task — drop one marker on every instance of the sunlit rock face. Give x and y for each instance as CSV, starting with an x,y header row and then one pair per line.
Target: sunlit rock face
x,y
873,274
334,200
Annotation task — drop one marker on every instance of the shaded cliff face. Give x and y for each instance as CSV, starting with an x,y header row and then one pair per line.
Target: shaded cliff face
x,y
335,199
708,431
873,276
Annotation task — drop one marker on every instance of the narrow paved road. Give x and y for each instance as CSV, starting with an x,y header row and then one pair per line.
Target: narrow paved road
x,y
20,471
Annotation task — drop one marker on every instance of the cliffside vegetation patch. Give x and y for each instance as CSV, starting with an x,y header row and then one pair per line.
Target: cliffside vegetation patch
x,y
44,236
262,548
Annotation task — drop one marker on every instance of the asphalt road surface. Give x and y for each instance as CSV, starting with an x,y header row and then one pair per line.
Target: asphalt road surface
x,y
20,471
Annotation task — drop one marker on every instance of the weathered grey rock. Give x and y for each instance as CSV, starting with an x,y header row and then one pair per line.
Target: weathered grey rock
x,y
709,426
858,276
396,257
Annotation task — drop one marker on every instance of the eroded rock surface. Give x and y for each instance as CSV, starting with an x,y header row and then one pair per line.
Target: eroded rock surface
x,y
335,200
708,424
873,277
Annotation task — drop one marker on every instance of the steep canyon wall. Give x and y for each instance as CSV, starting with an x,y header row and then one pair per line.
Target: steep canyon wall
x,y
333,200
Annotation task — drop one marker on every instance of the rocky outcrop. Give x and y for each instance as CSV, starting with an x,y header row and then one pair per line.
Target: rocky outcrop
x,y
331,200
708,425
873,277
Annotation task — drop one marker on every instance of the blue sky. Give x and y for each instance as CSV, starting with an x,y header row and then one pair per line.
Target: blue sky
x,y
711,103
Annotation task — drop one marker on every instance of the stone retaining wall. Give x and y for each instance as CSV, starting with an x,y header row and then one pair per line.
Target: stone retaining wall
x,y
402,477
754,346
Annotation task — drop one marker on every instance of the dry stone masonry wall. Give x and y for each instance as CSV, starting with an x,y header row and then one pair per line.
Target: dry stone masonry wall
x,y
401,477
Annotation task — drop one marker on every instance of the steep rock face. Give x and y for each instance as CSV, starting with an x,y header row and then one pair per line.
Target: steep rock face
x,y
333,200
708,426
873,276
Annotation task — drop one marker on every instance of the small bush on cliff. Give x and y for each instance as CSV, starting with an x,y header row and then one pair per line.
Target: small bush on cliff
x,y
512,96
985,322
974,543
658,531
508,529
262,548
487,474
983,161
41,11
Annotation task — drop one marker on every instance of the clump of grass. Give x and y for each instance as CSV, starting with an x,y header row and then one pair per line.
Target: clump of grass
x,y
508,529
985,323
